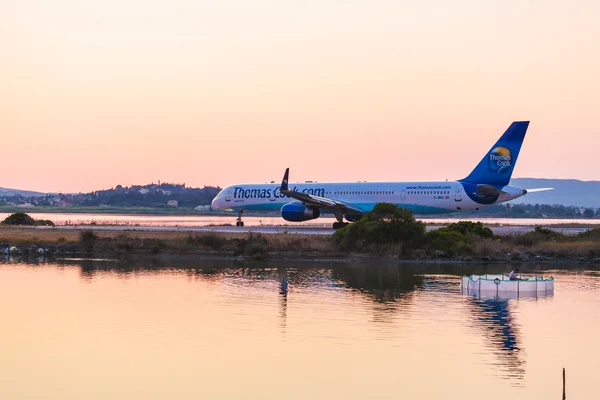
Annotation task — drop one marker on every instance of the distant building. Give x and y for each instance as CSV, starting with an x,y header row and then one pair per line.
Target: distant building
x,y
144,191
203,208
172,203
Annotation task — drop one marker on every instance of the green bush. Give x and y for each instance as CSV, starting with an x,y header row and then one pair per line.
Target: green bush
x,y
257,246
470,228
386,225
88,239
449,242
24,219
538,235
124,242
548,234
44,222
19,219
592,234
211,240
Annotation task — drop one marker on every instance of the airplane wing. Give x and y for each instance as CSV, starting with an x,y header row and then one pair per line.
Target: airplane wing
x,y
318,201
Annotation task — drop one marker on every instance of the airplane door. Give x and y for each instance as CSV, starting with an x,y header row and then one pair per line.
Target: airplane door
x,y
458,194
228,195
403,195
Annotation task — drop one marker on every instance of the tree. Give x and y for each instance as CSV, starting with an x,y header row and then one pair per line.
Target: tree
x,y
588,213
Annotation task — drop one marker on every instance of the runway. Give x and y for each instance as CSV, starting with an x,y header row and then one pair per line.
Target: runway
x,y
304,230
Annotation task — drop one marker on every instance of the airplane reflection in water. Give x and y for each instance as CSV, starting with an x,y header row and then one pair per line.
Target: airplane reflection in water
x,y
392,289
492,316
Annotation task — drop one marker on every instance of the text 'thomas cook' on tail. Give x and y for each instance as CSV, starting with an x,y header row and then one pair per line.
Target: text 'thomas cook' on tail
x,y
497,165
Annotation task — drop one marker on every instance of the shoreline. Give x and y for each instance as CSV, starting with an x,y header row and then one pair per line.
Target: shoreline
x,y
190,212
171,245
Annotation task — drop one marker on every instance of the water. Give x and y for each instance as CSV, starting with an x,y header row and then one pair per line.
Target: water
x,y
205,220
221,330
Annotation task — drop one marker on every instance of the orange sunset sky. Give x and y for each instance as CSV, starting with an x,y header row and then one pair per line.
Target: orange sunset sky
x,y
100,93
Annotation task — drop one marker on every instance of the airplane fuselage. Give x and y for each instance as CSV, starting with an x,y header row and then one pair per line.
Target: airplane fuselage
x,y
419,197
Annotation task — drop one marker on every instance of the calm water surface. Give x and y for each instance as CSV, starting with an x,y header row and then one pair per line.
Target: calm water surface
x,y
220,330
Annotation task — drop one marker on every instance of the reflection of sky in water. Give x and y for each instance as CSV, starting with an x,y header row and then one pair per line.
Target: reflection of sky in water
x,y
399,326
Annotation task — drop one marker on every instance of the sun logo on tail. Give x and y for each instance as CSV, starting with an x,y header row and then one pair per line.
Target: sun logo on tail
x,y
500,160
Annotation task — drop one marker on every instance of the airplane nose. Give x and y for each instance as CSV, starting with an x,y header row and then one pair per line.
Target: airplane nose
x,y
215,202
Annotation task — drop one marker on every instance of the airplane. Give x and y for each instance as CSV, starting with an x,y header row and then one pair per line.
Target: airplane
x,y
486,185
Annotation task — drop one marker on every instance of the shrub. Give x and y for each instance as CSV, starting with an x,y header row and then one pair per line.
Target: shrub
x,y
24,219
257,246
592,234
88,238
386,225
470,228
19,219
124,242
448,241
537,236
548,234
211,240
44,222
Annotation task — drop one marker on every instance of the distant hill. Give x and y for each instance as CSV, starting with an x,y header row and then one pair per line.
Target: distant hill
x,y
567,192
17,192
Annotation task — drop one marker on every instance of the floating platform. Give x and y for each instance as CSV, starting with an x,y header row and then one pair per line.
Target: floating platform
x,y
501,286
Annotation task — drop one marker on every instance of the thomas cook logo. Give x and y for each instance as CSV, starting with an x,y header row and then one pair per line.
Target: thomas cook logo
x,y
500,160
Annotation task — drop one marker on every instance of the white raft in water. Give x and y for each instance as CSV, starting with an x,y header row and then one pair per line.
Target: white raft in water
x,y
501,286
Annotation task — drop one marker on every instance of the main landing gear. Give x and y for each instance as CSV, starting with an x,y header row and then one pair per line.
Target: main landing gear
x,y
239,221
339,225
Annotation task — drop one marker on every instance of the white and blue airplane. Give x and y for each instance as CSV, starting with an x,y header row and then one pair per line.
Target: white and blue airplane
x,y
486,185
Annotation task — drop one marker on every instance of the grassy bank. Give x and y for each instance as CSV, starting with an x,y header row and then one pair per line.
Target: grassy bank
x,y
536,246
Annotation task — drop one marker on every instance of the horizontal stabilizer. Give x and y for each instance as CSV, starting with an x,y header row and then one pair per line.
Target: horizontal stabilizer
x,y
538,190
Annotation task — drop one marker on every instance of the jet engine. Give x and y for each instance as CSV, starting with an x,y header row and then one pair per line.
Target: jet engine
x,y
296,212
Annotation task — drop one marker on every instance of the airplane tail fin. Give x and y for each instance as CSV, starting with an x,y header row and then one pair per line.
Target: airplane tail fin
x,y
497,165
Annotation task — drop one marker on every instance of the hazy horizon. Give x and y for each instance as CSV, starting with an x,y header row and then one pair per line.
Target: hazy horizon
x,y
217,93
223,186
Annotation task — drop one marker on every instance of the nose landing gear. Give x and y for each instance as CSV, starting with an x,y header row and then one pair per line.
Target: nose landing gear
x,y
239,221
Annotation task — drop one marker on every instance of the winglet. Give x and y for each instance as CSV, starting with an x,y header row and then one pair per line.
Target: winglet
x,y
284,182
